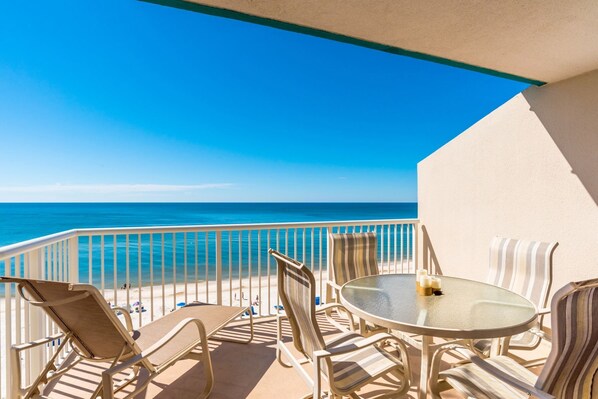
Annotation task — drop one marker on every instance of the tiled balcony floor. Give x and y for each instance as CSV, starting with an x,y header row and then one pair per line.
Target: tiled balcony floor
x,y
240,371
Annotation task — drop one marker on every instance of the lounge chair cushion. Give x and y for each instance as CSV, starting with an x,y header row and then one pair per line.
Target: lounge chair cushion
x,y
214,317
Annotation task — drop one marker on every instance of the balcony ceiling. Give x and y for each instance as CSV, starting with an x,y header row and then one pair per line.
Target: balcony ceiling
x,y
535,41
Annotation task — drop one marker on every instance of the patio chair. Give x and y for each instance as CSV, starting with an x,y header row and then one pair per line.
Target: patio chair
x,y
95,334
524,267
351,256
349,361
571,370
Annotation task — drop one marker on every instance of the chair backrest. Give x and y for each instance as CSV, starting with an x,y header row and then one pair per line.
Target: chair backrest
x,y
353,255
524,267
81,310
297,291
572,365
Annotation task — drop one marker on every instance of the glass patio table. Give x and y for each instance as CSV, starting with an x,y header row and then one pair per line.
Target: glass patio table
x,y
467,309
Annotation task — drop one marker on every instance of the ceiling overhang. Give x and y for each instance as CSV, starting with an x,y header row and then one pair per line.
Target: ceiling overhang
x,y
532,42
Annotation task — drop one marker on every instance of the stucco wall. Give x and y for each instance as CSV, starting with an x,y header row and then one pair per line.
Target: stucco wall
x,y
527,170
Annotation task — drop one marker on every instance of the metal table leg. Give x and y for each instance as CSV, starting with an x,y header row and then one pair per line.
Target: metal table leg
x,y
426,360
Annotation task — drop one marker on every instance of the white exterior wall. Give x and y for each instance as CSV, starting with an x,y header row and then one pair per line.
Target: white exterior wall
x,y
527,170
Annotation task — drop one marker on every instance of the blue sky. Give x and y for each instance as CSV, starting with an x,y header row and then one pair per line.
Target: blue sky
x,y
130,101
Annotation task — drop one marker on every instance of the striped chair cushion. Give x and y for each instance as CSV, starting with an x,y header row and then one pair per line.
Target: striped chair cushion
x,y
297,294
353,369
474,382
572,366
352,256
524,267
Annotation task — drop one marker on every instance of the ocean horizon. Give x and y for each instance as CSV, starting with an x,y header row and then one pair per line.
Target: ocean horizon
x,y
25,221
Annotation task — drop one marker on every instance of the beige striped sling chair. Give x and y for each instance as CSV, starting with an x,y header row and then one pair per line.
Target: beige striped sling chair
x,y
347,361
92,333
570,372
524,267
351,256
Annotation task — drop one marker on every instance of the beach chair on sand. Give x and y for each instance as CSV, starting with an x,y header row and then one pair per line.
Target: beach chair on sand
x,y
95,334
348,361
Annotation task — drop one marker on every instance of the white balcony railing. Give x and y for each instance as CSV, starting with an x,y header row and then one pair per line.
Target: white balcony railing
x,y
153,270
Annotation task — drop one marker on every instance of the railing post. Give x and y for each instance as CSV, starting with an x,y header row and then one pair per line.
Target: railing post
x,y
219,267
8,386
73,265
36,315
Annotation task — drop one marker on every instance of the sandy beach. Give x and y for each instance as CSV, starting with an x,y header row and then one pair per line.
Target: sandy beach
x,y
261,292
158,300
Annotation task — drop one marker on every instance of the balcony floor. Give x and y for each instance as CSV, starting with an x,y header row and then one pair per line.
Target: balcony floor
x,y
240,371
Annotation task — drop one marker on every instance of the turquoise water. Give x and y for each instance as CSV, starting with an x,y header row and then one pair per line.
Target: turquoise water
x,y
19,222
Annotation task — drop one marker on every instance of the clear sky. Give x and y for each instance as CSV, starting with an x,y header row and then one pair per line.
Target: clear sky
x,y
120,100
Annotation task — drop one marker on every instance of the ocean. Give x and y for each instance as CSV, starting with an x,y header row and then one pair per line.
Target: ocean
x,y
20,222
134,254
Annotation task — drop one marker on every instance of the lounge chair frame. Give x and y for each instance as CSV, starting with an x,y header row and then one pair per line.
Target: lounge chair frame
x,y
131,356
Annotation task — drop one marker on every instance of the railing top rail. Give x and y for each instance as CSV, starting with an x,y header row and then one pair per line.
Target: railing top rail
x,y
18,248
36,243
235,227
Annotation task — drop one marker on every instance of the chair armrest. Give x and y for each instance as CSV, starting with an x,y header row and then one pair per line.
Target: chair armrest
x,y
37,342
282,316
487,367
339,350
544,311
128,320
329,306
335,305
540,333
334,285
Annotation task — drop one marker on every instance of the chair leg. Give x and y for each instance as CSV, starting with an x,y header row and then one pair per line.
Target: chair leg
x,y
129,379
317,379
504,346
208,370
279,343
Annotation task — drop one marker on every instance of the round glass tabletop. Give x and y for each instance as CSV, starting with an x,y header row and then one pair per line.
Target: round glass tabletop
x,y
467,309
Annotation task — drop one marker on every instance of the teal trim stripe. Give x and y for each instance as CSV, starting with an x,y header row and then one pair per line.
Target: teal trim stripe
x,y
221,12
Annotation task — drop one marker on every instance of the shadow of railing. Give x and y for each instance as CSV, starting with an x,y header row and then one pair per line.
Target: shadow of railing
x,y
429,259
